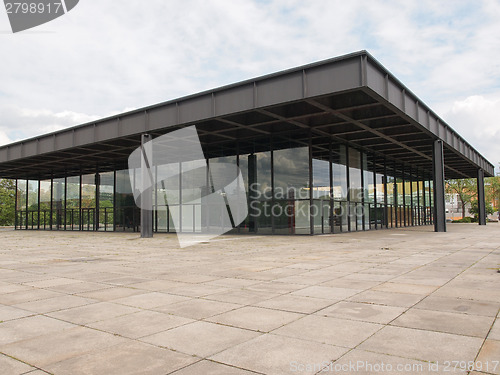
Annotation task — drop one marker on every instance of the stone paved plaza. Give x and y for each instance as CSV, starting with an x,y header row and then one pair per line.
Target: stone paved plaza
x,y
401,301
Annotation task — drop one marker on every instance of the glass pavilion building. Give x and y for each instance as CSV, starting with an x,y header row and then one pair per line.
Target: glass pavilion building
x,y
336,146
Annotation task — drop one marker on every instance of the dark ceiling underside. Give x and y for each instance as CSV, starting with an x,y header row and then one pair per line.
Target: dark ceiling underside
x,y
357,118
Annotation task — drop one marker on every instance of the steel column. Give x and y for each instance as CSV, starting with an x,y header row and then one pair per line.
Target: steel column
x,y
311,201
147,193
439,188
481,203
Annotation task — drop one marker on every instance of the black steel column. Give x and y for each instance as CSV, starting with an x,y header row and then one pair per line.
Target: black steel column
x,y
80,196
97,182
386,201
38,214
15,204
252,192
114,200
439,188
348,183
311,201
51,201
331,202
375,209
481,204
146,194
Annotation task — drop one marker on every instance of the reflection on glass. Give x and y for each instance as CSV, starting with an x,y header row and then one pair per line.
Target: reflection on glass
x,y
72,203
355,188
369,188
291,173
106,211
58,200
126,214
339,172
321,179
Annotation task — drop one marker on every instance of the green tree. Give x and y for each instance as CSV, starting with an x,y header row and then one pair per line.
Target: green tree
x,y
465,189
493,191
474,209
7,201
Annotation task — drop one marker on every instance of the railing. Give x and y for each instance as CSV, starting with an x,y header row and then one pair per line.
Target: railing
x,y
339,217
84,219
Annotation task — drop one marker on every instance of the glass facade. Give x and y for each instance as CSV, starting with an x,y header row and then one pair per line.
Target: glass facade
x,y
292,188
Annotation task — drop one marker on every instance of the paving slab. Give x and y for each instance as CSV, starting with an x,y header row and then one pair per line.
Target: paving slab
x,y
271,354
150,300
197,308
329,330
142,323
387,298
58,346
146,300
255,318
326,292
423,345
460,324
128,358
92,313
55,303
12,366
361,362
489,357
495,330
363,311
459,305
28,327
10,313
110,293
294,303
211,368
201,339
27,296
405,288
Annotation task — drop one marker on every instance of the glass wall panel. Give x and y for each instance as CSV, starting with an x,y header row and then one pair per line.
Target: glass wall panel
x,y
321,191
369,192
421,201
73,217
355,187
21,196
355,190
415,200
408,198
222,175
380,210
427,195
106,197
168,193
339,191
260,186
391,208
45,204
339,172
190,196
58,203
22,190
400,201
126,213
291,173
290,209
32,204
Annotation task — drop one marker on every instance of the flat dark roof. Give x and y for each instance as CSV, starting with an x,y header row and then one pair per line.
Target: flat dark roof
x,y
351,99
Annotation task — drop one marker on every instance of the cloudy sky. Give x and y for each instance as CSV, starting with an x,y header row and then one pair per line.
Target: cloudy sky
x,y
105,57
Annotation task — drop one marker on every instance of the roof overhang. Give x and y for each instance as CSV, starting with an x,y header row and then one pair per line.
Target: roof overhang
x,y
352,99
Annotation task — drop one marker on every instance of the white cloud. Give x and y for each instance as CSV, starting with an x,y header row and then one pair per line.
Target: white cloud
x,y
4,139
105,56
476,119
